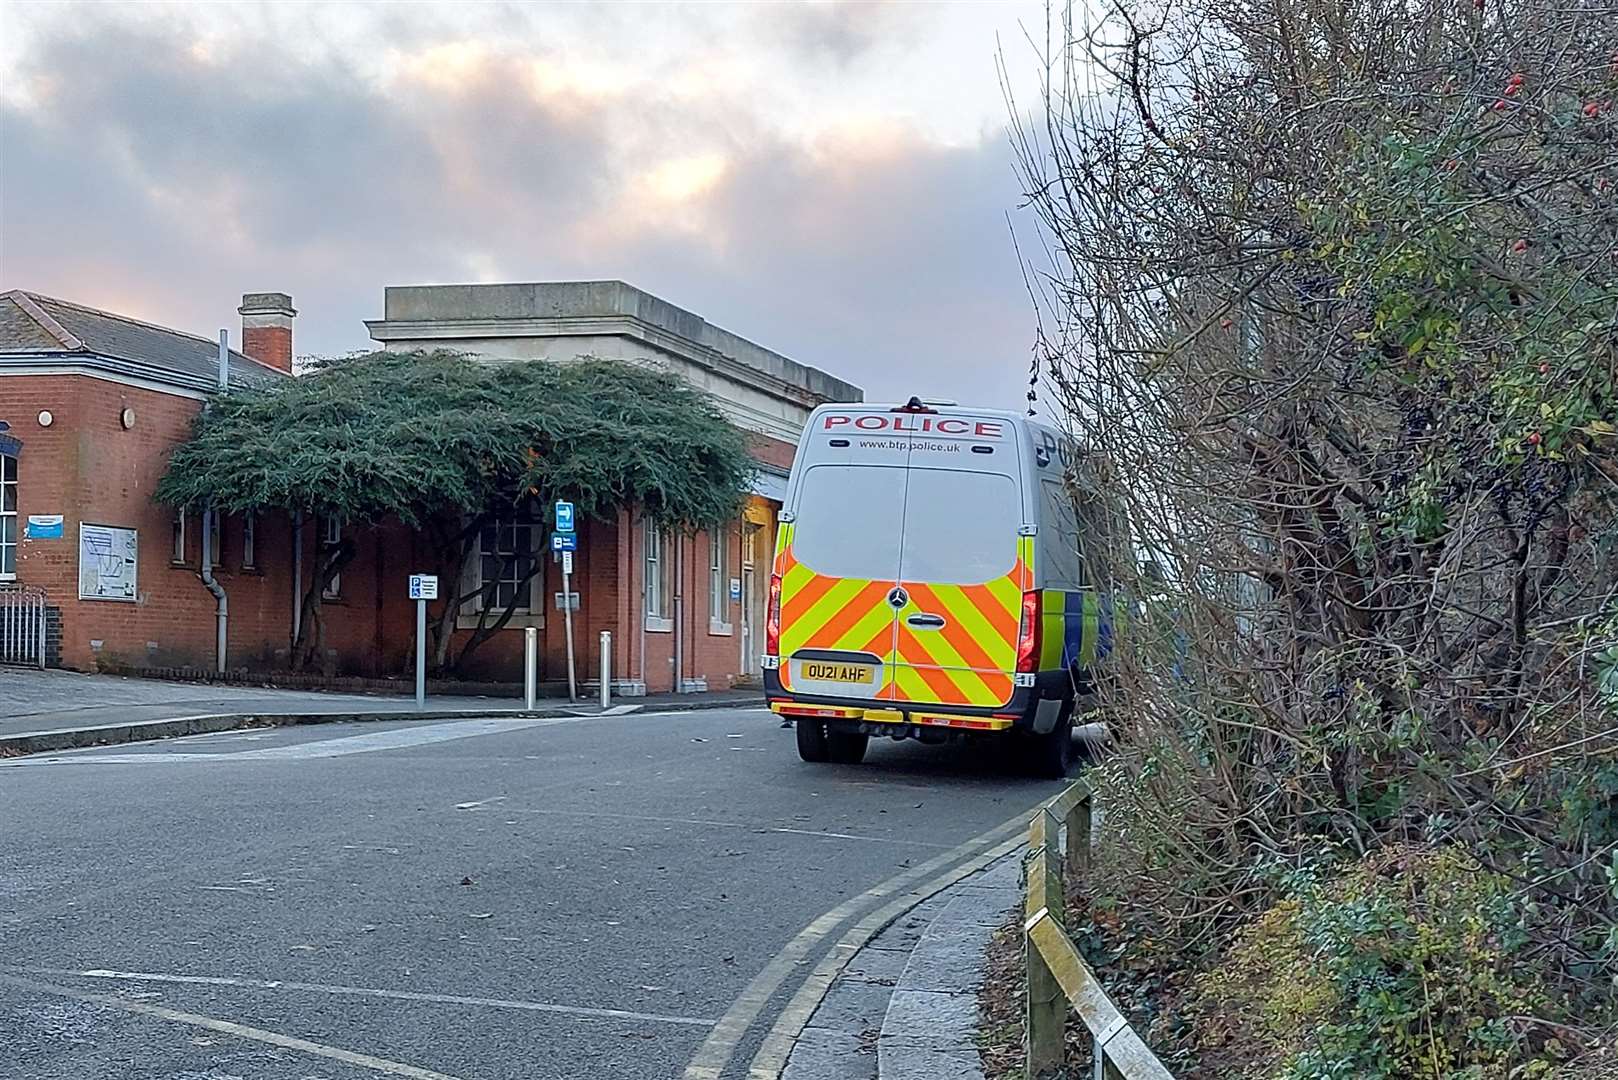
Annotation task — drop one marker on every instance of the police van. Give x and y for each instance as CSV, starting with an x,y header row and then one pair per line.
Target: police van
x,y
928,583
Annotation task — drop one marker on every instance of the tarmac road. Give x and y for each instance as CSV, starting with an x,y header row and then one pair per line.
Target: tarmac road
x,y
475,899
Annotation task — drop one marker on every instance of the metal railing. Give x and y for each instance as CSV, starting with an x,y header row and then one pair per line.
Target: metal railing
x,y
22,625
1058,977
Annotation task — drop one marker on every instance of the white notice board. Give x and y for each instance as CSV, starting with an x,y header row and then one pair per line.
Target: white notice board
x,y
107,563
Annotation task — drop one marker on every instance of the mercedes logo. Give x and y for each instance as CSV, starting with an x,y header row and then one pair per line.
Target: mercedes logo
x,y
898,598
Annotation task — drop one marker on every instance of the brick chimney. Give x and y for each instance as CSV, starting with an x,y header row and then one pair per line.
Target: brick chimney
x,y
267,328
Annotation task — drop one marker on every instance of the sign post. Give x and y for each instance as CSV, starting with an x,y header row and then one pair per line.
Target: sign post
x,y
423,587
566,541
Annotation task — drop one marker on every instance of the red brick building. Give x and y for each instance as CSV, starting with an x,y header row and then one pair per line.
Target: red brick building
x,y
94,402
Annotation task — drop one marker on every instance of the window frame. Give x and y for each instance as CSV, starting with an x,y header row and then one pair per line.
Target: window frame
x,y
656,580
472,581
719,603
216,540
513,525
12,515
331,535
249,541
178,529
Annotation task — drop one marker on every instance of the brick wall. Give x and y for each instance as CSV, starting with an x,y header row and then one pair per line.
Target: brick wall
x,y
771,451
87,467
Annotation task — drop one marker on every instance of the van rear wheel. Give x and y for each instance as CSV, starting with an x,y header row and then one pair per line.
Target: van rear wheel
x,y
817,744
846,748
812,741
1050,756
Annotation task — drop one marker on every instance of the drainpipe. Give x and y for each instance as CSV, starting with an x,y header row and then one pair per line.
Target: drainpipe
x,y
640,619
297,576
222,602
679,613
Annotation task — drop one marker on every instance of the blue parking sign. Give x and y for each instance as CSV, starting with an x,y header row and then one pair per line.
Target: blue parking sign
x,y
564,541
564,518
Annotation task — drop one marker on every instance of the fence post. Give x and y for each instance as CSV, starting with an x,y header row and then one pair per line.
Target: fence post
x,y
1046,1007
1046,1014
1078,837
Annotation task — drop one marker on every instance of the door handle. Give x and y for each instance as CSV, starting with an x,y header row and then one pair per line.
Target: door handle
x,y
924,621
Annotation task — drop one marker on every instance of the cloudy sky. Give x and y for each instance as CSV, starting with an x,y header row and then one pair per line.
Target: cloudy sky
x,y
831,180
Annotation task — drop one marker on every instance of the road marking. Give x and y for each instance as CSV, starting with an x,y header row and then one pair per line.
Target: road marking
x,y
337,746
227,1027
726,711
480,803
367,991
714,1055
749,826
772,1056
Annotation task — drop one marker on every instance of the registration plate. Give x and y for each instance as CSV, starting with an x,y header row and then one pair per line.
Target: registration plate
x,y
832,671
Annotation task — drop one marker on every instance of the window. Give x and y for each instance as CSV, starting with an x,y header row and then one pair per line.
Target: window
x,y
1059,540
659,578
8,517
719,542
177,551
506,558
834,497
249,541
960,527
216,539
331,535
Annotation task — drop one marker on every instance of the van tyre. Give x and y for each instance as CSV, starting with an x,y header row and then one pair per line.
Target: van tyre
x,y
1050,756
846,748
812,741
817,744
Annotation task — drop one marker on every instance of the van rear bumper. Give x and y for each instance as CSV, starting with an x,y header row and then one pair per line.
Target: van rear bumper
x,y
1016,713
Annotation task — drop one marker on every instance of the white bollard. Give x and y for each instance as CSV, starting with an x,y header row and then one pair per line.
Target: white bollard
x,y
530,666
606,669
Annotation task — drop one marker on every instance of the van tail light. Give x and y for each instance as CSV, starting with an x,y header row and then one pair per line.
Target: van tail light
x,y
1028,633
772,618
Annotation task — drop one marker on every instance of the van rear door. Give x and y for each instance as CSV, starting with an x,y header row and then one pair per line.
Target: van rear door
x,y
963,567
839,562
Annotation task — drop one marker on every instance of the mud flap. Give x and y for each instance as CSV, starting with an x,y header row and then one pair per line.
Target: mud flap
x,y
1046,715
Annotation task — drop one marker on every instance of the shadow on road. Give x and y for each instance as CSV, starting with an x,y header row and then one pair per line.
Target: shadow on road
x,y
988,761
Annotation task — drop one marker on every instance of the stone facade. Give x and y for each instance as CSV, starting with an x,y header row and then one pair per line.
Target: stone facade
x,y
762,392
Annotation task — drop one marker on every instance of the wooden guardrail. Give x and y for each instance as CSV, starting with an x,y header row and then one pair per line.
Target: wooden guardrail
x,y
1058,977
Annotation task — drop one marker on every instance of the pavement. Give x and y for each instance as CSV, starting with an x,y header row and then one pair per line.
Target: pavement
x,y
906,1005
651,895
55,710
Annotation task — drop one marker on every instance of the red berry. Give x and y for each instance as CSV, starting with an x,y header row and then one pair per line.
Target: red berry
x,y
1224,324
1544,369
1520,246
1501,104
1591,108
1533,440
